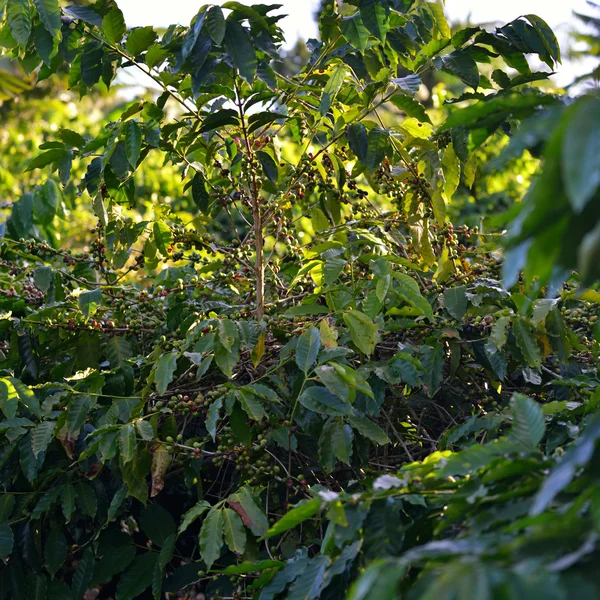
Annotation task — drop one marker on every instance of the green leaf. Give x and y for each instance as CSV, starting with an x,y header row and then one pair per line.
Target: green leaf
x,y
166,552
358,140
455,301
307,349
270,168
68,502
55,550
7,504
321,400
191,36
145,430
212,417
199,193
116,503
355,32
528,425
91,63
580,159
211,537
240,48
341,441
312,581
118,351
133,142
432,359
496,108
83,575
45,159
440,19
165,369
246,568
546,35
378,142
332,87
577,456
252,515
140,39
233,530
409,83
114,26
85,14
138,577
194,513
451,167
26,396
215,24
89,302
363,331
300,513
334,382
49,13
375,18
163,237
18,14
411,107
527,343
41,437
6,541
77,413
9,399
219,119
367,428
86,499
127,443
157,523
461,64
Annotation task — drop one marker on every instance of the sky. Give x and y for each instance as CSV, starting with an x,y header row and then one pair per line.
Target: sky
x,y
300,23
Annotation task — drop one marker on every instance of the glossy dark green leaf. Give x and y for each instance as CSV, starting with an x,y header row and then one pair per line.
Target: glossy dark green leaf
x,y
219,119
307,349
411,107
455,301
240,48
305,510
165,369
91,63
355,32
6,541
321,400
157,523
368,428
83,574
138,577
55,550
461,64
374,16
211,536
140,39
233,531
133,142
199,193
19,17
215,24
528,424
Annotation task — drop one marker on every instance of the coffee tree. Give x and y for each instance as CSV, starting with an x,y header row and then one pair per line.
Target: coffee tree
x,y
294,377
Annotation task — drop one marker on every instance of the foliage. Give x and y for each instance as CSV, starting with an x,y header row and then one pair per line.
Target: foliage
x,y
294,377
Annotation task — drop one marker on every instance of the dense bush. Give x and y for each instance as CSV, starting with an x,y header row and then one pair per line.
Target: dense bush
x,y
293,377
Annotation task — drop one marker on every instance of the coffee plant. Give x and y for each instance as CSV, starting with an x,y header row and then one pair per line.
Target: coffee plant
x,y
244,351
